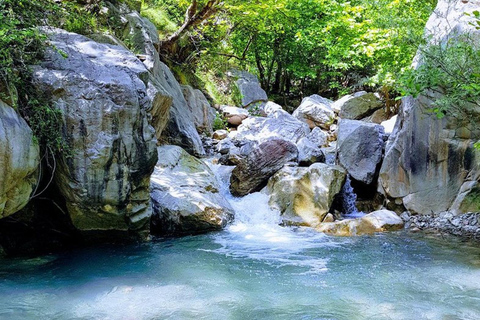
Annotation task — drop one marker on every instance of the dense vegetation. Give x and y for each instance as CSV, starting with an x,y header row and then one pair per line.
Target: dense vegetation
x,y
301,47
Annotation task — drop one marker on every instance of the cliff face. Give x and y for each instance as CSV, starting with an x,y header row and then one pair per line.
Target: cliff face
x,y
430,165
19,160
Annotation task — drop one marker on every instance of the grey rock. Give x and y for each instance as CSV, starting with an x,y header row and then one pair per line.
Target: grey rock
x,y
279,124
198,105
249,88
358,106
310,147
316,111
429,163
101,90
259,163
186,195
360,148
19,161
304,195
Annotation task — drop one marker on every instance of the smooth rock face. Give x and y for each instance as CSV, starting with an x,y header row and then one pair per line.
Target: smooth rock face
x,y
430,164
19,161
203,113
185,195
316,111
358,106
377,221
279,124
180,129
249,88
143,37
172,118
304,195
360,148
102,92
257,165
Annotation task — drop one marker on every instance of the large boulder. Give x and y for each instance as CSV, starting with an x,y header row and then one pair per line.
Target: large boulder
x,y
358,106
198,105
279,124
259,164
377,221
304,195
316,111
430,164
142,37
360,148
249,88
101,91
172,119
186,195
19,161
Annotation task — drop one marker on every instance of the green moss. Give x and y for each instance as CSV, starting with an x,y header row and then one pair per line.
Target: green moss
x,y
471,203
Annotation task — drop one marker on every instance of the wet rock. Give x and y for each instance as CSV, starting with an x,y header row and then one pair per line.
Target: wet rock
x,y
378,221
360,148
316,111
101,90
186,195
258,165
304,195
19,161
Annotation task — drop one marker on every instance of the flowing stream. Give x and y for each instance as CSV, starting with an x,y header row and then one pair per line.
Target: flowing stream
x,y
254,269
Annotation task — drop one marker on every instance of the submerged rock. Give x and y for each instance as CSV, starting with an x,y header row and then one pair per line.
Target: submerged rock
x,y
304,195
360,148
102,93
256,166
316,111
377,221
186,195
19,161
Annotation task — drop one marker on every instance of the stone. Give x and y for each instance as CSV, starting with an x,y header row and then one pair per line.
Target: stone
x,y
427,164
249,88
271,107
279,124
203,113
19,161
257,165
234,115
186,195
360,148
180,129
377,221
358,106
220,134
316,111
304,195
377,117
102,93
310,147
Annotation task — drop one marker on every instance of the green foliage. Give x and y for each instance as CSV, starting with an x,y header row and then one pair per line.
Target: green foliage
x,y
449,74
220,122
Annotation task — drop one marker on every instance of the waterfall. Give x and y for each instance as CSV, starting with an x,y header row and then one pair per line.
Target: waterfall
x,y
349,199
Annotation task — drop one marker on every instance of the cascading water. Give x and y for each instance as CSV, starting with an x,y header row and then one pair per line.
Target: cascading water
x,y
349,199
256,232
